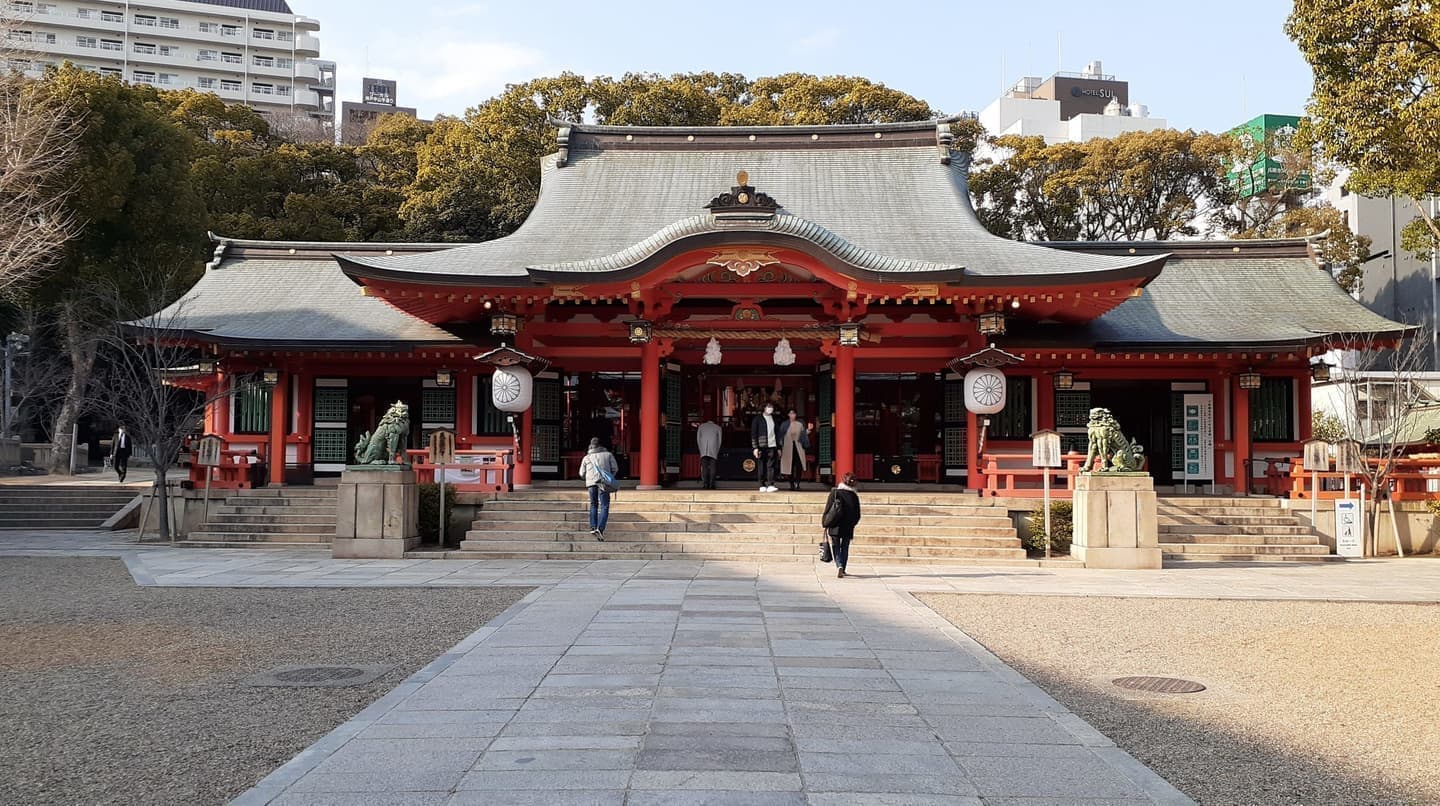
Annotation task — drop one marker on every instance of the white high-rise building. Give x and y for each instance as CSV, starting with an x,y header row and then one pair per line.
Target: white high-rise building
x,y
1068,107
255,52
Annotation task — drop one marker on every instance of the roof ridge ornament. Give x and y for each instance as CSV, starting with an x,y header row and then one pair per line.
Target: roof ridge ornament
x,y
743,202
562,147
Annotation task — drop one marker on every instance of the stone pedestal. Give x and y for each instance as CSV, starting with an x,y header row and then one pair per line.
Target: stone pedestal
x,y
1115,522
377,511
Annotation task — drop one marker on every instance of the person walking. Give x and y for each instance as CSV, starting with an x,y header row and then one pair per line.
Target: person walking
x,y
767,432
792,454
599,469
842,513
120,453
707,438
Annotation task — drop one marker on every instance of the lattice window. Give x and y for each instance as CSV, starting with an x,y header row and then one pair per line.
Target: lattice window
x,y
1177,452
252,408
955,453
1072,409
332,404
330,446
549,400
545,445
437,406
1013,422
1271,411
954,402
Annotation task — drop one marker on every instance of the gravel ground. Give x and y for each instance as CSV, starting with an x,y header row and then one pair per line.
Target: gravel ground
x,y
114,693
1308,702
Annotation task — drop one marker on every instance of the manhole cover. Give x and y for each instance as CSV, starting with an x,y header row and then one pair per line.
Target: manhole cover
x,y
1159,685
319,674
335,675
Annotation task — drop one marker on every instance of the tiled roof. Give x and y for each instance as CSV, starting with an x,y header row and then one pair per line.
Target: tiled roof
x,y
299,302
276,6
1236,299
889,204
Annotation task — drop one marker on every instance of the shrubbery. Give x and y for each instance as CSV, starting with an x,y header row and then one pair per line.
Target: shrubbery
x,y
430,512
1062,528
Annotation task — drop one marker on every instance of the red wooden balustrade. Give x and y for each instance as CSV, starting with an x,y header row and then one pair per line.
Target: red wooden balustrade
x,y
1010,475
485,470
1410,479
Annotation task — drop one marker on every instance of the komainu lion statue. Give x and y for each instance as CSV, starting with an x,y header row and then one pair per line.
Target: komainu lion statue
x,y
389,438
1109,445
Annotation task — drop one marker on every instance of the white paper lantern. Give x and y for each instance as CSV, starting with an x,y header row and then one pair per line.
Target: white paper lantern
x,y
985,390
511,388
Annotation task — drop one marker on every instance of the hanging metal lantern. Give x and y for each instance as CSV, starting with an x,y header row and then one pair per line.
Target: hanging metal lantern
x,y
512,388
444,378
985,390
640,331
991,323
1320,372
1064,380
1250,379
850,334
504,324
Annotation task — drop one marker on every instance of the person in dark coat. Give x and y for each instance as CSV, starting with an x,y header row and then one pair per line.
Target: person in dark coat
x,y
120,453
840,526
767,436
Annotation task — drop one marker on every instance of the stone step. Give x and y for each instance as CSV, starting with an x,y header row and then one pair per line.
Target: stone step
x,y
35,510
1239,556
52,522
227,509
270,528
246,544
990,517
763,529
711,537
1244,548
1212,501
668,497
856,565
1253,520
30,502
1237,529
805,551
1234,539
287,517
256,538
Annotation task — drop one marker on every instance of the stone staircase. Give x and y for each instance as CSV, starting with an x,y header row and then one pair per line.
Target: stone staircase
x,y
1235,529
738,525
275,517
62,506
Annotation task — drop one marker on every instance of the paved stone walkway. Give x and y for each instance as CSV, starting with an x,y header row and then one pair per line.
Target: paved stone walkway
x,y
678,682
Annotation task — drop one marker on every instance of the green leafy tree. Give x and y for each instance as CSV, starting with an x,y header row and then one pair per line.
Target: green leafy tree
x,y
800,98
138,209
1327,426
1027,195
1376,107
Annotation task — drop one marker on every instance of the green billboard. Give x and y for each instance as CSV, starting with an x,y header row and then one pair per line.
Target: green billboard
x,y
1266,148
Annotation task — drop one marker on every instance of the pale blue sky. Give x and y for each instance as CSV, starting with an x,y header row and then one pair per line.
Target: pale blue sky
x,y
1199,65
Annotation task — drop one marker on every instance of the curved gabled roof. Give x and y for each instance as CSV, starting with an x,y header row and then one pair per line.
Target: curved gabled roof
x,y
886,200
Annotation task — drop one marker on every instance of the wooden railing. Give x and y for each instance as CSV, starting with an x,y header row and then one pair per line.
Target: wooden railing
x,y
235,471
1409,479
1010,475
485,470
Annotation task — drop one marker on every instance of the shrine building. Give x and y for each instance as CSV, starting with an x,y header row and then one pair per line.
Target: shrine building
x,y
669,276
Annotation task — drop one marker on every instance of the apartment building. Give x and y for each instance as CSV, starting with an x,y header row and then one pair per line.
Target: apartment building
x,y
255,52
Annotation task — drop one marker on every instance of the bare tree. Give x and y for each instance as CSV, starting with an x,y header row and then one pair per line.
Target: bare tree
x,y
39,375
1379,396
37,146
141,382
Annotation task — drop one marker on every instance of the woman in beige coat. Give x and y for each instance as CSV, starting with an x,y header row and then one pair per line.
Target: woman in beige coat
x,y
792,454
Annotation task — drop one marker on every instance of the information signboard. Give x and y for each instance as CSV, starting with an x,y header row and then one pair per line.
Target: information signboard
x,y
207,450
1350,528
1199,437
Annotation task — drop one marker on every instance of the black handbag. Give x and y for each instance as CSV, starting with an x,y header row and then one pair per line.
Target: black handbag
x,y
834,510
825,555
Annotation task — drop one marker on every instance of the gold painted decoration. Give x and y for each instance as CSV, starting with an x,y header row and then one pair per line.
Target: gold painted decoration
x,y
742,262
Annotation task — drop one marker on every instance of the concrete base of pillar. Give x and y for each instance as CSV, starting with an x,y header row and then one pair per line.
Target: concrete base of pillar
x,y
1115,521
648,487
377,512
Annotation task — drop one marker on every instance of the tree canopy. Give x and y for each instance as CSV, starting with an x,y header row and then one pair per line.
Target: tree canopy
x,y
1376,107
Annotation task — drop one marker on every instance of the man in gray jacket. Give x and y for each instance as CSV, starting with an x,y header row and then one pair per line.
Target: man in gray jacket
x,y
707,437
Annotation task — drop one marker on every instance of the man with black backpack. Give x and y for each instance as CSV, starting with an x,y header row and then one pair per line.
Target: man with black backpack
x,y
599,469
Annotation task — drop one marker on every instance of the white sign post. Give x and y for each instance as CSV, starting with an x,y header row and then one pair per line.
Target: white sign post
x,y
1199,439
207,455
1349,460
1317,455
1350,528
1045,454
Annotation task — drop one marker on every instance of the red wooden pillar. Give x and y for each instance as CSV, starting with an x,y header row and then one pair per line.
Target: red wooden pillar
x,y
1241,427
650,415
844,411
1044,401
305,415
464,407
520,479
279,419
975,475
1307,417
